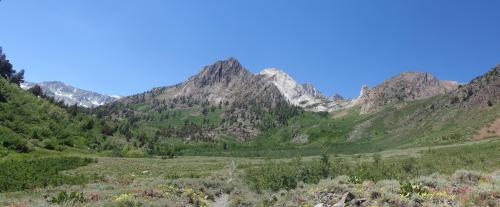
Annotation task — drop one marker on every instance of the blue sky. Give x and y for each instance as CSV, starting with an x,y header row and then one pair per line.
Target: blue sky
x,y
124,46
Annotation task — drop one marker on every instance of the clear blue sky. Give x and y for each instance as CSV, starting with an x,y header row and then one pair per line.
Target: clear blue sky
x,y
125,46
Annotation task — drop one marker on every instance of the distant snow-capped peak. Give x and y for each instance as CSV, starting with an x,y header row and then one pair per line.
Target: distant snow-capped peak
x,y
71,95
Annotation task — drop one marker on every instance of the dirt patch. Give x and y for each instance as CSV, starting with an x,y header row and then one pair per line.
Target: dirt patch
x,y
222,201
489,131
340,114
300,139
359,130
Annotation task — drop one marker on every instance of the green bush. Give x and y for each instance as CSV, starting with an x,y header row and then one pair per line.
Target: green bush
x,y
3,151
138,153
63,197
20,174
281,175
408,189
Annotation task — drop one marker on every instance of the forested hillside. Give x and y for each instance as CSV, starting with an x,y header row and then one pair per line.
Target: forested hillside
x,y
30,120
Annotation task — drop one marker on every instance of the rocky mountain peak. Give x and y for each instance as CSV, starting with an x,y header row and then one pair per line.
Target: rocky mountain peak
x,y
310,89
404,86
285,83
337,97
221,71
281,76
303,95
364,90
416,76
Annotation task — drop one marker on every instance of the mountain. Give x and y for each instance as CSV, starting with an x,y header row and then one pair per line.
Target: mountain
x,y
71,95
431,111
223,99
226,109
302,95
221,82
482,91
406,86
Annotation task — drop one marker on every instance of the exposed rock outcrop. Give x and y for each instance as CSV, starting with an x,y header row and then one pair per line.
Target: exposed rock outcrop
x,y
483,90
303,95
403,87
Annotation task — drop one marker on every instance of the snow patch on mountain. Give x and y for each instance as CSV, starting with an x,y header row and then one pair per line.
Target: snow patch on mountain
x,y
71,95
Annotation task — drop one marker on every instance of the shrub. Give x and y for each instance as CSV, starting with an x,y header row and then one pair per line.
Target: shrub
x,y
16,174
354,180
276,176
434,181
63,197
13,141
3,151
50,144
466,177
17,144
408,189
135,153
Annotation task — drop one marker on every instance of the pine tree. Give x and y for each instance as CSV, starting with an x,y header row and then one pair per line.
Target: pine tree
x,y
36,90
7,71
205,111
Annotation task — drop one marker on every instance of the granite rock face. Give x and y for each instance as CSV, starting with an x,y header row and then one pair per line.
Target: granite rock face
x,y
406,86
302,95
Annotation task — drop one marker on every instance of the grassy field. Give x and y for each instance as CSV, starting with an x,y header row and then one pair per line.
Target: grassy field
x,y
294,181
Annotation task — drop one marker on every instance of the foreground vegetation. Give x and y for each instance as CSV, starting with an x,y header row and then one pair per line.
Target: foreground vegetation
x,y
420,176
22,174
272,175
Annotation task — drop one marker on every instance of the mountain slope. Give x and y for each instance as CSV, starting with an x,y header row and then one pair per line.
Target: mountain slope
x,y
27,122
226,101
441,119
452,115
403,87
71,95
482,91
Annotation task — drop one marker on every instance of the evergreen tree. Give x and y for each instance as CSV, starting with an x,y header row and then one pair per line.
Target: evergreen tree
x,y
205,111
7,71
3,98
36,90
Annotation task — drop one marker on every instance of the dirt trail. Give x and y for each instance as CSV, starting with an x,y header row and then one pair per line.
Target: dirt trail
x,y
223,199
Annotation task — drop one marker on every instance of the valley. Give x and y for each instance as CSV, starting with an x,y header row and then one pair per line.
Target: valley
x,y
202,180
229,137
